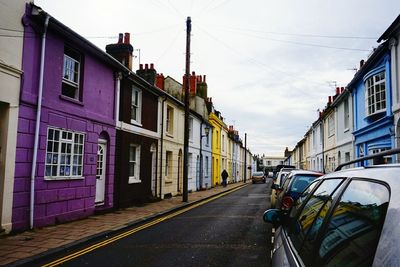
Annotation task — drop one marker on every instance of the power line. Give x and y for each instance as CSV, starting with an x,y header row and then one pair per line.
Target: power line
x,y
255,60
298,34
306,44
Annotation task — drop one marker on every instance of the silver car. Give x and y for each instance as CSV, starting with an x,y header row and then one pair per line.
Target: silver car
x,y
345,218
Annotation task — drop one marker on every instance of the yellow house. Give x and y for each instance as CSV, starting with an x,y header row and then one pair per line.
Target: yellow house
x,y
217,124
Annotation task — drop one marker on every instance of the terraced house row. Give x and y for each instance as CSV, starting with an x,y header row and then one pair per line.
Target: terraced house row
x,y
81,132
361,119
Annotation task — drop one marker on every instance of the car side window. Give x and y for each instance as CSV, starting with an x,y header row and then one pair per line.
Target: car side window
x,y
286,182
354,229
304,228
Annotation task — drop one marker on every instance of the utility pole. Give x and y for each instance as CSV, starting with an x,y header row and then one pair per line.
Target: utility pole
x,y
245,156
186,136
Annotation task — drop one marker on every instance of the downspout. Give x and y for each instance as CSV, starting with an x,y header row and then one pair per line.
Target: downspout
x,y
323,147
37,128
117,100
162,140
201,157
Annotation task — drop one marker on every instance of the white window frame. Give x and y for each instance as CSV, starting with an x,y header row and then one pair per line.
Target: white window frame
x,y
169,124
135,178
375,88
168,164
346,114
190,129
71,71
64,154
190,166
331,125
206,167
136,92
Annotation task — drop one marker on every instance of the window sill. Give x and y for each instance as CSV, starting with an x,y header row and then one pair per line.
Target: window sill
x,y
136,123
169,135
346,130
133,180
62,178
72,100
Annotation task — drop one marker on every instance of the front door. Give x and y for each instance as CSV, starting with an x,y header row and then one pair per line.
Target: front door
x,y
101,172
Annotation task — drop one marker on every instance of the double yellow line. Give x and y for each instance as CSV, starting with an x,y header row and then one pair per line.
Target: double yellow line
x,y
132,231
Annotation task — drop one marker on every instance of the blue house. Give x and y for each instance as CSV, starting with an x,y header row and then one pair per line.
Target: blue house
x,y
372,102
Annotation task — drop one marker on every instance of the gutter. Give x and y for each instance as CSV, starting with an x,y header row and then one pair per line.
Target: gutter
x,y
162,140
37,127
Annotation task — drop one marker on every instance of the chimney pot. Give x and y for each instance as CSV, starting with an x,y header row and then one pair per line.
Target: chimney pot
x,y
342,90
200,79
152,66
127,38
146,66
120,38
140,66
193,73
204,78
337,90
330,99
361,63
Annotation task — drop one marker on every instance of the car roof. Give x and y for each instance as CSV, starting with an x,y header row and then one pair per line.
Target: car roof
x,y
295,172
385,172
286,169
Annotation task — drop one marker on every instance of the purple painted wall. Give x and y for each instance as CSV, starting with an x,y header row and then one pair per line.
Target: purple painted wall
x,y
62,200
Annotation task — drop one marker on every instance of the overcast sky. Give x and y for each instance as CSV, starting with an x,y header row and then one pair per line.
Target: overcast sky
x,y
270,65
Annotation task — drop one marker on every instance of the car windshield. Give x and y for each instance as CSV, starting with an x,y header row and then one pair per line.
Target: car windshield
x,y
301,181
258,173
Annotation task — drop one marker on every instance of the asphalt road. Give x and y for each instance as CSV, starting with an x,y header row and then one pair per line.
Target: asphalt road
x,y
228,231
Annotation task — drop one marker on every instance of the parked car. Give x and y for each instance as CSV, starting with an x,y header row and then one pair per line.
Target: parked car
x,y
346,218
293,185
258,177
278,181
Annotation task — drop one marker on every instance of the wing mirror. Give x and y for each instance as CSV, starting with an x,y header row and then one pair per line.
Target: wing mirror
x,y
275,186
273,216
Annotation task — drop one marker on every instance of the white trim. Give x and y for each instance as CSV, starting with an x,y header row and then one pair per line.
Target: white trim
x,y
136,178
138,106
136,129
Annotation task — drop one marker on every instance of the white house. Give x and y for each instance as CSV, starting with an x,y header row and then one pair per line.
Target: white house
x,y
10,79
343,105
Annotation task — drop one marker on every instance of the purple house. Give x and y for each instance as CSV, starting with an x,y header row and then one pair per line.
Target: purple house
x,y
66,128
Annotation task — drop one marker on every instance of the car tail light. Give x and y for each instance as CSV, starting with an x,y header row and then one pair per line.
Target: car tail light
x,y
287,203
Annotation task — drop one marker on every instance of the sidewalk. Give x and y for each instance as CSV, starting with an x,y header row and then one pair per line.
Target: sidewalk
x,y
27,246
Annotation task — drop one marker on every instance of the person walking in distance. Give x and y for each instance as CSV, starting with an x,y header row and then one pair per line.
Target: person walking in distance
x,y
224,176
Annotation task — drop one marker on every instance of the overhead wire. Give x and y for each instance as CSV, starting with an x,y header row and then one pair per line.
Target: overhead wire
x,y
297,34
255,60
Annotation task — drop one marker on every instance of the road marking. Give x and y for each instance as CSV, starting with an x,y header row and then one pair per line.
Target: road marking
x,y
134,230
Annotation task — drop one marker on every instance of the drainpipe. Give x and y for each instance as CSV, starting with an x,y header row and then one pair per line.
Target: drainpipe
x,y
37,128
118,92
162,140
201,157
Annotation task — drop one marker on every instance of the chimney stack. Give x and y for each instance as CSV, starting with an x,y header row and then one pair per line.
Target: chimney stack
x,y
147,74
329,99
122,50
160,81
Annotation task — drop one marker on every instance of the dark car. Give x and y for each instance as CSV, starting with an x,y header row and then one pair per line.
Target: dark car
x,y
345,218
257,177
292,186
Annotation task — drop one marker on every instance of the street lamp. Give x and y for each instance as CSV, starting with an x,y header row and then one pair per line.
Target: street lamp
x,y
206,131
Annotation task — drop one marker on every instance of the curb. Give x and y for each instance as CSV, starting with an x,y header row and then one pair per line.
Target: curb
x,y
108,233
